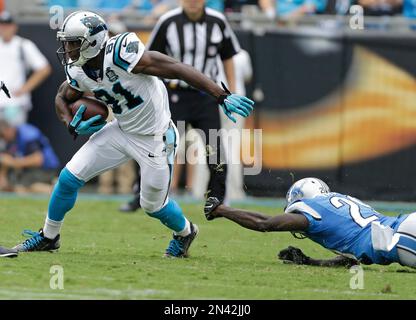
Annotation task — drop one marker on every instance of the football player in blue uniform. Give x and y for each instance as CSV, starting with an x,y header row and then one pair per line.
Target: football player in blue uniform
x,y
121,73
338,222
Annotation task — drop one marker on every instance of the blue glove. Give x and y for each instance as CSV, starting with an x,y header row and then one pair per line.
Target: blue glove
x,y
80,127
234,103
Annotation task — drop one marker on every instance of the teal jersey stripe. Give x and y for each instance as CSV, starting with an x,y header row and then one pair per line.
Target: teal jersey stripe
x,y
117,60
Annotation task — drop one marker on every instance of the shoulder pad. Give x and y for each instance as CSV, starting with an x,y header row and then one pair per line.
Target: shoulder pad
x,y
300,206
128,49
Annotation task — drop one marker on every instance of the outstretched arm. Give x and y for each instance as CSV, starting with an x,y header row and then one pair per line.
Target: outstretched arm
x,y
295,255
157,64
260,222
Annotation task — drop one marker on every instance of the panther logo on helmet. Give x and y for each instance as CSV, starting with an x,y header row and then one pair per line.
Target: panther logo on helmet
x,y
94,24
83,35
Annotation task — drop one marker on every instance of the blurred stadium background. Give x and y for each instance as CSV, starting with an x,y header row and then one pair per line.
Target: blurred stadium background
x,y
333,102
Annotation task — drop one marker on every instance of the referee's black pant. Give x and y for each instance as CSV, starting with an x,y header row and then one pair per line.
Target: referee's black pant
x,y
201,111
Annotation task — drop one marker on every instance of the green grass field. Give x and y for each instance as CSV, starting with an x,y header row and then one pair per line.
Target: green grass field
x,y
109,255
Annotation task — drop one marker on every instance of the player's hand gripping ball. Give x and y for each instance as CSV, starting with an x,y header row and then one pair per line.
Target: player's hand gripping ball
x,y
89,116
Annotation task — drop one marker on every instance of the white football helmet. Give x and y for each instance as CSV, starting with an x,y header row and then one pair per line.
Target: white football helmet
x,y
306,188
87,28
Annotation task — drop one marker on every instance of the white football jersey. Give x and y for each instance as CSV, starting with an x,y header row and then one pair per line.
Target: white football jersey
x,y
140,102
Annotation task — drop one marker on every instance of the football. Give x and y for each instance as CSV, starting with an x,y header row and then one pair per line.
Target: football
x,y
93,107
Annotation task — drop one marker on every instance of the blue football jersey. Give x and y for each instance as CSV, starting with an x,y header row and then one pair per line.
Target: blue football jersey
x,y
348,226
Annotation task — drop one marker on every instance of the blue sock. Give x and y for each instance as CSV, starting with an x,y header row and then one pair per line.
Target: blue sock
x,y
64,195
171,215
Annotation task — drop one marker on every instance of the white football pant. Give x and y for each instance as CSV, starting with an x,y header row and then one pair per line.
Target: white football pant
x,y
110,147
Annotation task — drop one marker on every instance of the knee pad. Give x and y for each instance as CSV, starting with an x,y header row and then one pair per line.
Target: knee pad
x,y
152,198
406,257
150,206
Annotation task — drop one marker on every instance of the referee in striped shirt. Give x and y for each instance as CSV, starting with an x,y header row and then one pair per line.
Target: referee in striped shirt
x,y
201,37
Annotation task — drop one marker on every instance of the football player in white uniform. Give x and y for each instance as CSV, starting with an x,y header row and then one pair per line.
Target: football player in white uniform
x,y
119,72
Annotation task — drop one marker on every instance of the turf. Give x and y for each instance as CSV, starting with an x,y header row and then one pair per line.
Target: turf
x,y
109,255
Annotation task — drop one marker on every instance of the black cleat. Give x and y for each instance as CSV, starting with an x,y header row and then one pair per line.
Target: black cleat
x,y
131,206
8,253
210,205
179,246
38,242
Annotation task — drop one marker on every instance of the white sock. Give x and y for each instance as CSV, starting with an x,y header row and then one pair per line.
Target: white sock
x,y
186,230
52,228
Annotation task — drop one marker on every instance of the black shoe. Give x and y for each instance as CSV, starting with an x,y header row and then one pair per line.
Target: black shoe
x,y
8,253
210,205
38,242
179,246
131,206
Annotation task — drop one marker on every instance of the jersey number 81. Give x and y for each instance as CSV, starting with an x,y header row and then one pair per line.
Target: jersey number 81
x,y
132,101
